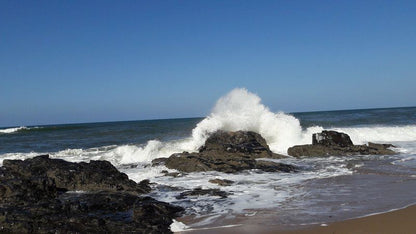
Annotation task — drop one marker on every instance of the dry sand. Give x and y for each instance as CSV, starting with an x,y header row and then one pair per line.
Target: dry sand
x,y
401,221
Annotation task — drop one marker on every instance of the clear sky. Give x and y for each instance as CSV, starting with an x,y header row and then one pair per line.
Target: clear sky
x,y
87,61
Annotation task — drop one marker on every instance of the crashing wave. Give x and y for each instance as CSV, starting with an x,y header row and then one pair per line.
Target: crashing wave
x,y
12,130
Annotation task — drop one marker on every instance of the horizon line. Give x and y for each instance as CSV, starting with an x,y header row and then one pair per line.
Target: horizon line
x,y
178,118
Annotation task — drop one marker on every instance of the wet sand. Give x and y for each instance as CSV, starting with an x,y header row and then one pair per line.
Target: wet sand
x,y
401,221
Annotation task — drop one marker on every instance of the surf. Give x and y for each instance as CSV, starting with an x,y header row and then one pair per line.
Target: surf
x,y
243,110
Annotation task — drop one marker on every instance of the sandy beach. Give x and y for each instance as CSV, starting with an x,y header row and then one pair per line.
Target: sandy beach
x,y
399,221
395,222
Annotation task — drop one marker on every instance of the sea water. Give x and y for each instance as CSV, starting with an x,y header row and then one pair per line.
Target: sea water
x,y
325,189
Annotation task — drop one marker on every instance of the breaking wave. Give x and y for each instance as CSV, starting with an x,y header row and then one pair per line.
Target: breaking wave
x,y
19,129
238,110
12,130
242,110
362,135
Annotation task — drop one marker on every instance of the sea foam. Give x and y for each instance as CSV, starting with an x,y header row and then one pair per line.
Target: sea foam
x,y
243,110
12,130
237,110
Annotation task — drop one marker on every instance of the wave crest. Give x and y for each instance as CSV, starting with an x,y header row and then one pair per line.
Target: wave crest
x,y
238,110
12,130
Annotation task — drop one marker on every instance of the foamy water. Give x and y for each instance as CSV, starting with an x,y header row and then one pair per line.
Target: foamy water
x,y
11,130
252,190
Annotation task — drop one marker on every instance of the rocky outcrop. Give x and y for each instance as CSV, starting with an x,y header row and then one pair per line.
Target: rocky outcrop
x,y
332,143
331,138
240,142
228,152
93,176
36,196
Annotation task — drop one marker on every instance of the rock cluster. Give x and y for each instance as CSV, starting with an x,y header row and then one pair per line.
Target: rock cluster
x,y
228,152
93,176
44,195
332,143
37,196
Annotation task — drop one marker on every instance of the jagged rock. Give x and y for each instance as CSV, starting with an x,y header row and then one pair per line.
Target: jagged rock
x,y
34,198
221,182
227,152
203,192
228,163
93,176
243,142
331,138
14,187
331,143
97,212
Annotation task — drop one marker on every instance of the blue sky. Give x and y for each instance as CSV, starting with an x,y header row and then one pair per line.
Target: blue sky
x,y
87,61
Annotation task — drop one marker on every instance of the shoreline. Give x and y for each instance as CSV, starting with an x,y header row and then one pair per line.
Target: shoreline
x,y
394,221
401,220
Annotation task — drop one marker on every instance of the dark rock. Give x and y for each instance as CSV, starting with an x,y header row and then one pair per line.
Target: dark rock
x,y
34,198
227,152
14,187
203,192
331,138
93,176
228,163
274,167
330,143
173,174
97,212
247,143
157,214
221,182
380,146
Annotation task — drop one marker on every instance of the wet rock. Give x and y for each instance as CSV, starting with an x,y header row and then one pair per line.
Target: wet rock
x,y
221,182
97,212
240,142
331,138
155,213
380,146
14,187
34,198
274,167
173,174
331,143
203,192
228,163
93,176
227,152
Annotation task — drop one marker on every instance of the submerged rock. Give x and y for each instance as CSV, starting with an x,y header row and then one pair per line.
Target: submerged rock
x,y
332,143
203,192
221,182
173,174
35,197
228,152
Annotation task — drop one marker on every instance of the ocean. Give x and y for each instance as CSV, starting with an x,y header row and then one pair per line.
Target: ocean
x,y
326,189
